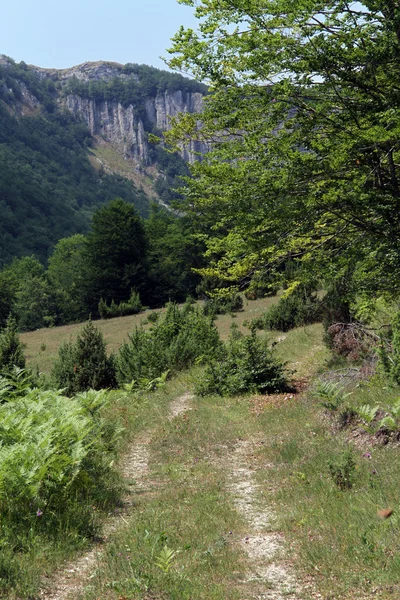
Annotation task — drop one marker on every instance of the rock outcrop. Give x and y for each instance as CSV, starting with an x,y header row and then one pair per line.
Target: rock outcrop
x,y
121,124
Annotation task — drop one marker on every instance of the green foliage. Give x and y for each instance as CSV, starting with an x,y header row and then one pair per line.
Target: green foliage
x,y
307,166
244,364
11,348
85,364
30,294
300,307
116,251
68,273
16,383
164,560
331,394
55,467
367,413
223,305
152,317
173,252
343,470
178,338
132,307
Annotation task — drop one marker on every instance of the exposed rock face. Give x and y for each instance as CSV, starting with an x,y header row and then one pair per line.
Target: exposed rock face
x,y
112,121
123,127
119,124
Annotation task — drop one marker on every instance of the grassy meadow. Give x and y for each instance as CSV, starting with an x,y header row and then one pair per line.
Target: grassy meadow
x,y
181,535
41,346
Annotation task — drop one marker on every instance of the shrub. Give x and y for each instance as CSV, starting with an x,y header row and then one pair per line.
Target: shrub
x,y
152,317
85,364
11,348
302,307
175,341
224,305
132,307
343,470
244,364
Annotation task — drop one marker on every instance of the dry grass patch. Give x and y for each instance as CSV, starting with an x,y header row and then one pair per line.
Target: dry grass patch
x,y
42,345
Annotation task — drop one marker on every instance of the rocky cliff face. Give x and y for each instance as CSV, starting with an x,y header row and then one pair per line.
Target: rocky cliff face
x,y
120,124
121,105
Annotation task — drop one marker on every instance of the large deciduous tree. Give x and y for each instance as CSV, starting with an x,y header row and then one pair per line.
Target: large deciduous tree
x,y
304,121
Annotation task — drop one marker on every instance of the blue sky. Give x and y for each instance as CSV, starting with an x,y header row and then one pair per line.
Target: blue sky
x,y
50,33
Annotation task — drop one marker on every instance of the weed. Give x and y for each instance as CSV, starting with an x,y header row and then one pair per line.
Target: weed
x,y
165,559
331,393
342,470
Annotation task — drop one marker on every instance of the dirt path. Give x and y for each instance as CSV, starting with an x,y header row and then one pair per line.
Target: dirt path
x,y
180,405
71,579
135,470
268,576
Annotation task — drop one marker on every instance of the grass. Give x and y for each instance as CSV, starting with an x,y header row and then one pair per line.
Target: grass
x,y
41,346
337,537
180,539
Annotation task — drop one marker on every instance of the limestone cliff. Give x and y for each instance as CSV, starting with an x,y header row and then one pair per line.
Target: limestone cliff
x,y
123,124
120,104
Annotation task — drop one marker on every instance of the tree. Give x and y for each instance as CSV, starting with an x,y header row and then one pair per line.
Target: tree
x,y
116,250
85,364
30,294
305,124
173,252
11,348
68,275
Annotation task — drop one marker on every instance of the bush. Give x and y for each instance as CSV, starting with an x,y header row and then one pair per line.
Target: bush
x,y
85,364
244,364
224,305
11,348
343,470
175,341
152,317
302,307
132,307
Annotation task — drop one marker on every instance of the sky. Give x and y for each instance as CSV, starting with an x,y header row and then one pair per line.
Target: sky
x,y
59,34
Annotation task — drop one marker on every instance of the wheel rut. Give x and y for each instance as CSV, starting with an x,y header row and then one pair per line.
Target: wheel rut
x,y
268,576
69,583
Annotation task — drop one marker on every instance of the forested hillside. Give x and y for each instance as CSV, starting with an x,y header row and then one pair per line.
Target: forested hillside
x,y
56,170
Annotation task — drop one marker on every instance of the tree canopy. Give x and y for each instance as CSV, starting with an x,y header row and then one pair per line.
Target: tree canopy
x,y
304,123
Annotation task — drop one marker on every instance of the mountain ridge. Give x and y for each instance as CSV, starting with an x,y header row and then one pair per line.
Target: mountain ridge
x,y
118,106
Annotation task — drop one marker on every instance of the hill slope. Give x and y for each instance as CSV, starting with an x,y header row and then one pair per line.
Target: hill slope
x,y
71,140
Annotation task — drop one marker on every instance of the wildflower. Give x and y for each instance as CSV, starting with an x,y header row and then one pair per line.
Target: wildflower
x,y
39,512
367,455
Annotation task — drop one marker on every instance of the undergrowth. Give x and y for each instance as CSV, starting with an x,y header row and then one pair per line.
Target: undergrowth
x,y
56,474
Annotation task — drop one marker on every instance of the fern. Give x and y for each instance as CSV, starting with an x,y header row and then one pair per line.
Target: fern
x,y
331,394
165,559
367,412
